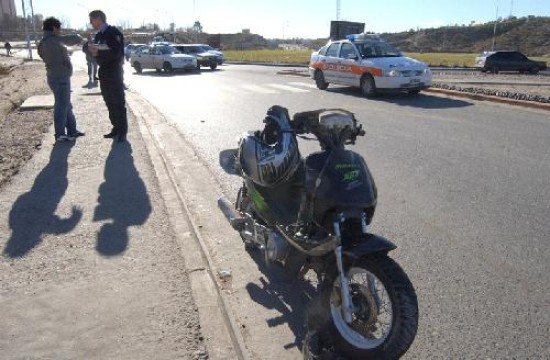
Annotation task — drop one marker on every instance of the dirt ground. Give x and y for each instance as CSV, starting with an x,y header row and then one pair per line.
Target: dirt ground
x,y
21,133
91,266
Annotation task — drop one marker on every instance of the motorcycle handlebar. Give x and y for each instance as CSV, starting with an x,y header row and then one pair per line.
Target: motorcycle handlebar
x,y
308,122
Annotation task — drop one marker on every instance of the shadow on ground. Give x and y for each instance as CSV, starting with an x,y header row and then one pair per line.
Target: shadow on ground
x,y
33,213
421,101
290,297
123,200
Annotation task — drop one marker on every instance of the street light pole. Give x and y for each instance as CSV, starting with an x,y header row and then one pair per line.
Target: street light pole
x,y
495,27
26,29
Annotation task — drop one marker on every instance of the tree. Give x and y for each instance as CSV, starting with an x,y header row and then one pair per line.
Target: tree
x,y
197,26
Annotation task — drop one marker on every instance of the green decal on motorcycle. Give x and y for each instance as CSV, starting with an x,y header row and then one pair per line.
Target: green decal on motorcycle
x,y
351,176
259,201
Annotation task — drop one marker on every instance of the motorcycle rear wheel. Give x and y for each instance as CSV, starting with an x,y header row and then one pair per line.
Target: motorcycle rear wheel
x,y
385,316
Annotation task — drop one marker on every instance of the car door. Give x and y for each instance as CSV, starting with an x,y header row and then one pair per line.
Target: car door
x,y
349,58
507,61
156,57
330,62
142,56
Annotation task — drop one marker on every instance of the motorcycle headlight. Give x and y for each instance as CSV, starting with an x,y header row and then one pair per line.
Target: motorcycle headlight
x,y
393,73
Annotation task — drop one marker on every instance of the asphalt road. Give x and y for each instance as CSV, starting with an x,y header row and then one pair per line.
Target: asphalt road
x,y
464,192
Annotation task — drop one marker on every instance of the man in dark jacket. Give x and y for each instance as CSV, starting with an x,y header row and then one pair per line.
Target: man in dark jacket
x,y
58,72
7,46
108,49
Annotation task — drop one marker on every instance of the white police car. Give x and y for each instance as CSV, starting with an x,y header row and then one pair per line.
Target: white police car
x,y
369,63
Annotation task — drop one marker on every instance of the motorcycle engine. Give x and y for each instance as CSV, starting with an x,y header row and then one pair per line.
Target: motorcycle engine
x,y
276,248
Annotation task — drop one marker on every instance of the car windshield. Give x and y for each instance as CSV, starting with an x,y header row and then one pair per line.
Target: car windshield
x,y
168,50
207,47
378,49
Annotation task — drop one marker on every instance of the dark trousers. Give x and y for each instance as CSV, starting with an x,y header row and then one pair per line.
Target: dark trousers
x,y
112,89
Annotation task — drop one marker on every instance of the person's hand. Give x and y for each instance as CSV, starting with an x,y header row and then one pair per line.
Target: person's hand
x,y
93,49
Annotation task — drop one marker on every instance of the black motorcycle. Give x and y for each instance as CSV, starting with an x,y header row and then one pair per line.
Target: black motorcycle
x,y
313,214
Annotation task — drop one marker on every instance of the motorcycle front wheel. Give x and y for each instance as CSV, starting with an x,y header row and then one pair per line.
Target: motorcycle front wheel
x,y
385,310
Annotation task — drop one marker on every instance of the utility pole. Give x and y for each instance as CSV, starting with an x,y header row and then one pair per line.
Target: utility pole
x,y
33,26
337,9
26,29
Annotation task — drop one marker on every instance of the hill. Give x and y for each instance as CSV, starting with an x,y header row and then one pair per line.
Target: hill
x,y
530,35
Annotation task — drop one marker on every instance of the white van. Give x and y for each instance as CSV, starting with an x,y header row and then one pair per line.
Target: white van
x,y
369,63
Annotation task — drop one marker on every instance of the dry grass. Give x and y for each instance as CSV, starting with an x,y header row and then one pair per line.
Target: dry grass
x,y
301,57
271,56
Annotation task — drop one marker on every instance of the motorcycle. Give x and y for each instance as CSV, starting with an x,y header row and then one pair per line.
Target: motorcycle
x,y
314,213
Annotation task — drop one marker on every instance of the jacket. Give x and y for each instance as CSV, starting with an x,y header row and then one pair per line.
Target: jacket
x,y
110,61
55,56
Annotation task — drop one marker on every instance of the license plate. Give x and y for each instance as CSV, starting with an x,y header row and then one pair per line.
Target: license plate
x,y
414,81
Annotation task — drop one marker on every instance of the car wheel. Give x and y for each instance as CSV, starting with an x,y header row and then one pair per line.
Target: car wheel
x,y
534,70
320,80
167,67
495,69
213,65
138,67
368,87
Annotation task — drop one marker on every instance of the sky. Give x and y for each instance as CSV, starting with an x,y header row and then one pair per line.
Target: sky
x,y
288,18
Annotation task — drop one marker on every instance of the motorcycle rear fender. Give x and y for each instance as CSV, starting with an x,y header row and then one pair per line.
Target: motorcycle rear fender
x,y
370,244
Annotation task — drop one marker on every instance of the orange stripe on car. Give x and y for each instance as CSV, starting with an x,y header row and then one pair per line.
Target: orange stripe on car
x,y
355,69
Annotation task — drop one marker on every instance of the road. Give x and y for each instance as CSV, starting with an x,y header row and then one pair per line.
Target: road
x,y
463,191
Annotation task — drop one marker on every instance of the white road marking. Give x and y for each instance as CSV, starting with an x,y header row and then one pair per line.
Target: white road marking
x,y
309,85
259,89
287,88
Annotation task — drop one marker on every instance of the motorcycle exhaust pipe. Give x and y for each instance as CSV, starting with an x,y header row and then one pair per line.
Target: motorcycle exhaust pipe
x,y
235,220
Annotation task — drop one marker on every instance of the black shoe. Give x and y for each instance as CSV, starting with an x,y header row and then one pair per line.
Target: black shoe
x,y
110,135
77,134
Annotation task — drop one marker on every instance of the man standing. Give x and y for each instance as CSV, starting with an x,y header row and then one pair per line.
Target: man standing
x,y
109,53
91,62
7,46
58,72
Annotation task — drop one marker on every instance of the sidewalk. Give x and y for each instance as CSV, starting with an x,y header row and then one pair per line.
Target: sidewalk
x,y
92,266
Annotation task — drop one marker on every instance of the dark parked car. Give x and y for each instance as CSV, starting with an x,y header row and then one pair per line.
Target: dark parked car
x,y
204,58
495,61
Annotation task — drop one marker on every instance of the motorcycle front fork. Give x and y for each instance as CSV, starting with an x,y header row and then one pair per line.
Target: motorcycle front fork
x,y
345,293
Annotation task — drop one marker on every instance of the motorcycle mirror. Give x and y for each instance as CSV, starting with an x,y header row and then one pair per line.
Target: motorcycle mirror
x,y
228,161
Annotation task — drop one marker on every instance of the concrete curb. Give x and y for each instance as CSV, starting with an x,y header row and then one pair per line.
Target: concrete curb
x,y
478,97
223,339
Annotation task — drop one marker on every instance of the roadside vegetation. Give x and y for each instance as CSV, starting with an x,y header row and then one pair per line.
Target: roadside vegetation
x,y
301,57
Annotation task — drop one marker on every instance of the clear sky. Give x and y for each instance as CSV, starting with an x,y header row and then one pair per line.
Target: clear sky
x,y
289,18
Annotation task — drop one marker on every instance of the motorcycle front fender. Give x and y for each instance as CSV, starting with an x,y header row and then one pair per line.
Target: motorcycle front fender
x,y
370,244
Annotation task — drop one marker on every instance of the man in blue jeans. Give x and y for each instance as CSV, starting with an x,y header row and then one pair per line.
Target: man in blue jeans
x,y
59,71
